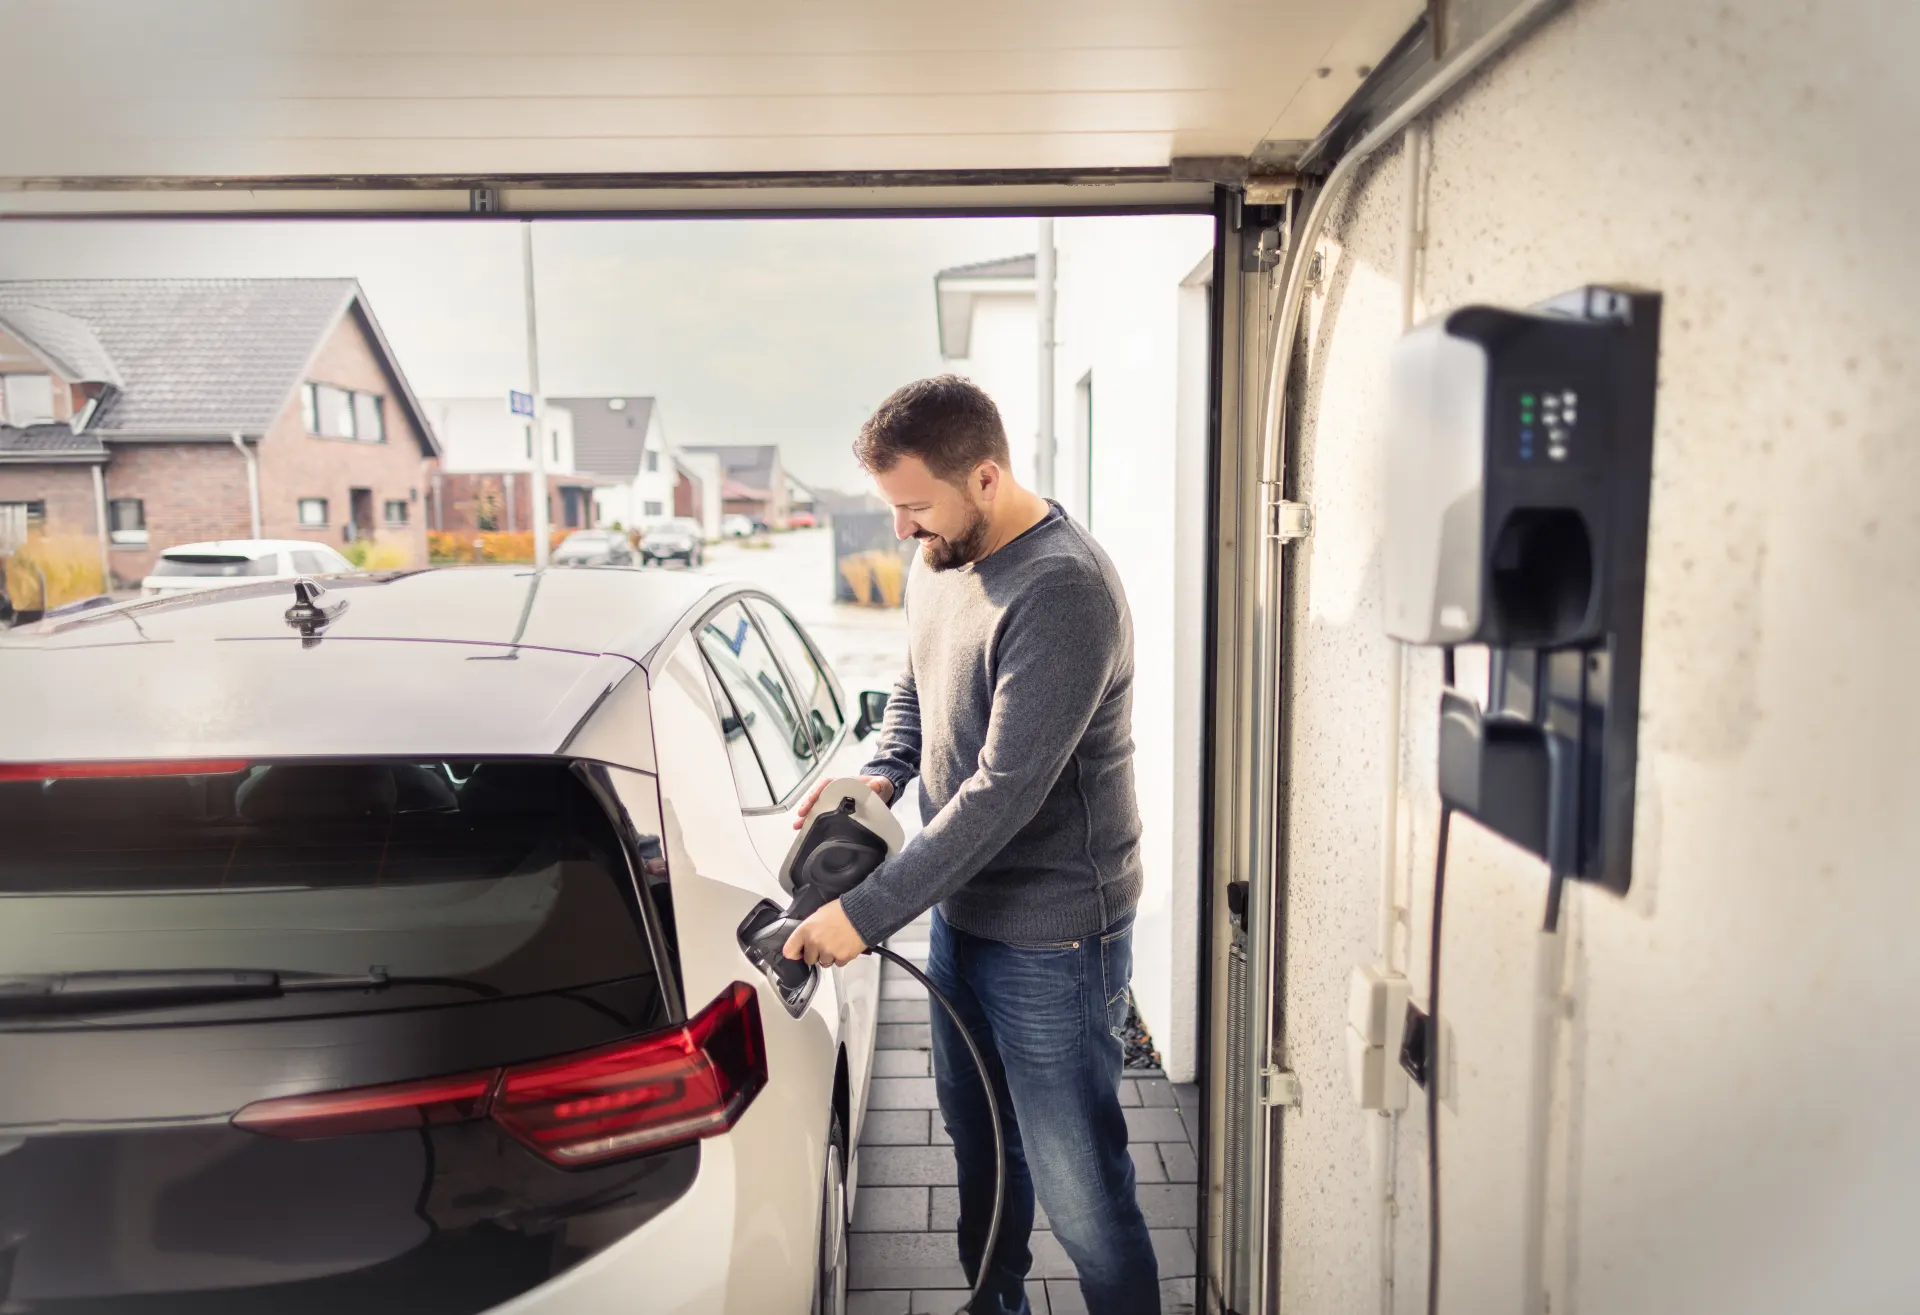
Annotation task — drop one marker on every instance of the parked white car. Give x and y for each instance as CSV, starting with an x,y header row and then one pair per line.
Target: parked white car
x,y
391,961
195,566
736,526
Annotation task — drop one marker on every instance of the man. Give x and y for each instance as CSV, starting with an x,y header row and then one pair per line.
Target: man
x,y
1015,711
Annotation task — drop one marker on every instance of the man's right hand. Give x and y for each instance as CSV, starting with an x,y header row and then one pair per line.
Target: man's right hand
x,y
880,785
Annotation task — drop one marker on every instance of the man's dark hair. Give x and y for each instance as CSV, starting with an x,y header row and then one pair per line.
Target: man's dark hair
x,y
948,422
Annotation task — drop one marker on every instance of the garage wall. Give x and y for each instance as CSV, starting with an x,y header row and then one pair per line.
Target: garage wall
x,y
1726,1122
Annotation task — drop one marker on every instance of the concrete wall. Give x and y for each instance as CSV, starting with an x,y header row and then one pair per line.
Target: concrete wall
x,y
1123,299
1729,1065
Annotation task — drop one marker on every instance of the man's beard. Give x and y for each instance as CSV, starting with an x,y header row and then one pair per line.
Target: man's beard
x,y
945,554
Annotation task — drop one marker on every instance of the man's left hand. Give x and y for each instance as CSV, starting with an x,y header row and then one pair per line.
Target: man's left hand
x,y
826,939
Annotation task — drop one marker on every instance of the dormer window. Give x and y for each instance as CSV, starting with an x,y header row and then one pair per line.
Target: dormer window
x,y
28,399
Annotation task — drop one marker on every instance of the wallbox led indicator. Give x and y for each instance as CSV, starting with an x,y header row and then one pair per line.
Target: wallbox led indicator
x,y
1526,400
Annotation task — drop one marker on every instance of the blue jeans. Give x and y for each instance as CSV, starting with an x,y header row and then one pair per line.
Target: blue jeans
x,y
1046,1018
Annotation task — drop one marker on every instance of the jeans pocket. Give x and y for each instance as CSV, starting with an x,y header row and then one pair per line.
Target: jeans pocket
x,y
1046,947
1116,972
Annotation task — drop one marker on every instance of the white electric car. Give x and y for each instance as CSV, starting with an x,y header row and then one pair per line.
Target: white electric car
x,y
389,963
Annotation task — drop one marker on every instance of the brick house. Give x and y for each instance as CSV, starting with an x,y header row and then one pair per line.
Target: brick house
x,y
151,412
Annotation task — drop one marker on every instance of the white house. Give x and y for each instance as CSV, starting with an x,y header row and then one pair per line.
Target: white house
x,y
698,492
483,435
988,329
1131,320
621,441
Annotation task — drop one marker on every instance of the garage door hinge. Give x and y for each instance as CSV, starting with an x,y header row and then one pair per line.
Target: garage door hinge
x,y
1279,1087
1287,521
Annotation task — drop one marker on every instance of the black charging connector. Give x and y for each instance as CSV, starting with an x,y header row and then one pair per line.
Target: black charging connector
x,y
1416,1046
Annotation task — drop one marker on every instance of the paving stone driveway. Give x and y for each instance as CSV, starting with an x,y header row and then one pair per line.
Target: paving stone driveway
x,y
904,1257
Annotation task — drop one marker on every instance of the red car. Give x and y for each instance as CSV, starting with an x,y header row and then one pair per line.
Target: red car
x,y
802,520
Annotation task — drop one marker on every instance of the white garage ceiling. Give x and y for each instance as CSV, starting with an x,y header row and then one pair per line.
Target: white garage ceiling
x,y
129,89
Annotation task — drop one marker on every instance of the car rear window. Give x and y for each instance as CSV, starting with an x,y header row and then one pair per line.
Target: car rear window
x,y
214,564
502,877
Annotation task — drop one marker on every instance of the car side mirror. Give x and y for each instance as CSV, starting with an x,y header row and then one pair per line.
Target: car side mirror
x,y
873,711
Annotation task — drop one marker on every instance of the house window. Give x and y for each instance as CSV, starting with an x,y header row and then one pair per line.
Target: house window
x,y
396,511
653,461
313,512
127,521
17,521
341,413
655,509
29,399
369,421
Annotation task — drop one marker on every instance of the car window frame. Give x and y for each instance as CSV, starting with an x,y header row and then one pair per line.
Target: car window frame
x,y
717,688
819,663
795,709
821,756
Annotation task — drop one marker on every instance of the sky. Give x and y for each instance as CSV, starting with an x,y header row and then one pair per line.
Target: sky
x,y
746,331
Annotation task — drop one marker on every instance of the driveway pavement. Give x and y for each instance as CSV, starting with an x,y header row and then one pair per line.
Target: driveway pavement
x,y
905,1257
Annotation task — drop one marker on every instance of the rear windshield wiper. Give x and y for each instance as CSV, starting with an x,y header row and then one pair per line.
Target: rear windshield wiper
x,y
158,988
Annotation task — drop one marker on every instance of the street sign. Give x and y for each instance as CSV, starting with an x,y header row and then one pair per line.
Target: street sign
x,y
522,404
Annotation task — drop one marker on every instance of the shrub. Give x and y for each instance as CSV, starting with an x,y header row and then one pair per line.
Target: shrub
x,y
448,547
372,555
68,564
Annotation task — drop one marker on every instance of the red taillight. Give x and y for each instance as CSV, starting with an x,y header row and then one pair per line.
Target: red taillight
x,y
638,1095
675,1086
78,771
371,1109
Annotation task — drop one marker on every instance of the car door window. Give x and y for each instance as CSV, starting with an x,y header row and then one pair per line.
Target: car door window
x,y
740,657
803,668
312,563
748,780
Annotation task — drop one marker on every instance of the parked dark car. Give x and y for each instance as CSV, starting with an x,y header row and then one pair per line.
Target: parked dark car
x,y
594,548
677,540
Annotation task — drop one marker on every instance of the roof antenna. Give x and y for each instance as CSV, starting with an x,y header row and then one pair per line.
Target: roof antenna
x,y
309,614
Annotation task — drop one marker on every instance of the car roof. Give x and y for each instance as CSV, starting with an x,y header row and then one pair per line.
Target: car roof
x,y
241,547
464,661
587,610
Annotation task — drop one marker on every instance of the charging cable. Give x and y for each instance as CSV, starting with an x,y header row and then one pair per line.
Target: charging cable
x,y
1433,1067
993,1108
1433,1027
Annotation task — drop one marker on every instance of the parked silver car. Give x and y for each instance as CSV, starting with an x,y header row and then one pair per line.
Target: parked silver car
x,y
594,548
373,948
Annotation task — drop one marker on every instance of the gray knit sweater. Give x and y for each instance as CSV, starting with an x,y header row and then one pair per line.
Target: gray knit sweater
x,y
1016,712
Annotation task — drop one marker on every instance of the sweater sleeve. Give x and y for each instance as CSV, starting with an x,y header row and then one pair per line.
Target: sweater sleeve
x,y
1055,660
897,753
